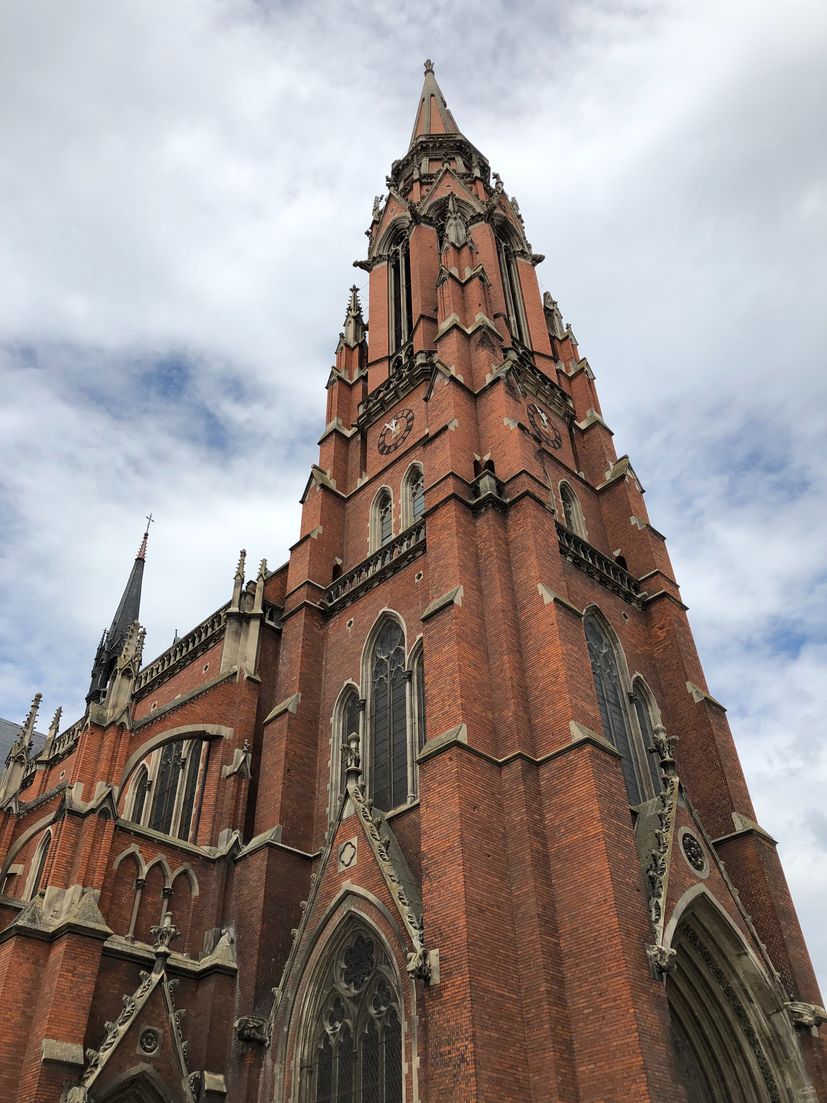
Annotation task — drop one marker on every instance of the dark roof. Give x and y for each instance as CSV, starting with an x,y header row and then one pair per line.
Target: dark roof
x,y
8,733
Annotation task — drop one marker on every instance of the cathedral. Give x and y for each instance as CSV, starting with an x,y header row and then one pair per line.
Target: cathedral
x,y
441,809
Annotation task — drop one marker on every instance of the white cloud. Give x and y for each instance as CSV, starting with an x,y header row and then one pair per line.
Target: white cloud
x,y
190,183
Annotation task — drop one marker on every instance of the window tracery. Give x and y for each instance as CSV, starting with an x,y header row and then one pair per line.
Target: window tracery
x,y
164,795
413,496
382,520
356,1042
400,313
510,276
610,700
389,719
572,513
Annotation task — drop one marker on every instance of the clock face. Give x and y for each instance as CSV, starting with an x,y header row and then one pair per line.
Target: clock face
x,y
543,426
395,431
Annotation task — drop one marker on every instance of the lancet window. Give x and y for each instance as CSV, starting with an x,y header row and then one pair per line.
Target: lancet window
x,y
413,496
610,699
388,718
382,520
572,513
510,277
164,793
38,866
356,1038
400,314
643,712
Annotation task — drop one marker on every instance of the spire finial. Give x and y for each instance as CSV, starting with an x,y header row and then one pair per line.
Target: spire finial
x,y
242,559
429,65
354,331
150,520
22,746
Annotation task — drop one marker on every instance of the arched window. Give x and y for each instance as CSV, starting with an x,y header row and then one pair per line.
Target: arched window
x,y
572,514
400,315
610,699
382,520
38,866
413,496
511,284
139,794
418,694
166,788
643,711
388,719
356,1035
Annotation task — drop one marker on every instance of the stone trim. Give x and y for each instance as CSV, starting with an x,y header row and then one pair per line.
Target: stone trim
x,y
592,418
549,597
458,737
452,597
649,598
289,704
61,1053
699,695
450,738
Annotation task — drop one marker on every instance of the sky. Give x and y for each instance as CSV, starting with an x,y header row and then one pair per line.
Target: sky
x,y
183,190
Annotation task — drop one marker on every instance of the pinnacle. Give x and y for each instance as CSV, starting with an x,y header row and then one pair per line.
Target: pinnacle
x,y
432,114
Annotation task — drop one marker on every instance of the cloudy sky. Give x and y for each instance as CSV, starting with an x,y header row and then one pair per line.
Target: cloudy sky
x,y
183,188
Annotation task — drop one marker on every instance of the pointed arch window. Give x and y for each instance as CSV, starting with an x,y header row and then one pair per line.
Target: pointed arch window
x,y
166,787
382,520
140,793
572,513
356,1038
413,496
165,794
400,313
510,276
610,699
39,866
388,719
418,679
643,712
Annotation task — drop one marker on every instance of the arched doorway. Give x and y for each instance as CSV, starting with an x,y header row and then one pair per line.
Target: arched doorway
x,y
731,1036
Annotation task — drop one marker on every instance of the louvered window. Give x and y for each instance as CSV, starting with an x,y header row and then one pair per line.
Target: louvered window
x,y
610,700
417,492
389,759
399,293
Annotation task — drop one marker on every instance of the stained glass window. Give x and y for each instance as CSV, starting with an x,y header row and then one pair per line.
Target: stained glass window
x,y
644,719
389,758
166,788
190,787
141,790
357,1057
610,700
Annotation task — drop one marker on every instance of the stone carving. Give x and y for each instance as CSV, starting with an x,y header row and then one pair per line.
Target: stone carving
x,y
456,228
149,1040
694,939
251,1029
377,208
805,1016
661,958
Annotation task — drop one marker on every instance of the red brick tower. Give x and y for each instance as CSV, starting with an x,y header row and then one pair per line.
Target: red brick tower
x,y
442,808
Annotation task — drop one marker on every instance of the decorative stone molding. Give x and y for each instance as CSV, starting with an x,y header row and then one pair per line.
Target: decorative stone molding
x,y
699,695
549,597
598,566
438,743
289,704
452,597
806,1016
61,1053
240,765
662,958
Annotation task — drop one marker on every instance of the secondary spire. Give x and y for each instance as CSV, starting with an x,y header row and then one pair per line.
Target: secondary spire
x,y
127,612
432,114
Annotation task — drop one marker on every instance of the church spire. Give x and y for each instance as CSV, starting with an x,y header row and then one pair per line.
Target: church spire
x,y
432,114
113,639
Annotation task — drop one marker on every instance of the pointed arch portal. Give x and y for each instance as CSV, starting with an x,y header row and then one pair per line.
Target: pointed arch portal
x,y
731,1039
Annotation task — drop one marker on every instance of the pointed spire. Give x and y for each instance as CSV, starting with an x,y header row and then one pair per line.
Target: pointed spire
x,y
354,332
22,746
432,113
52,733
127,612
